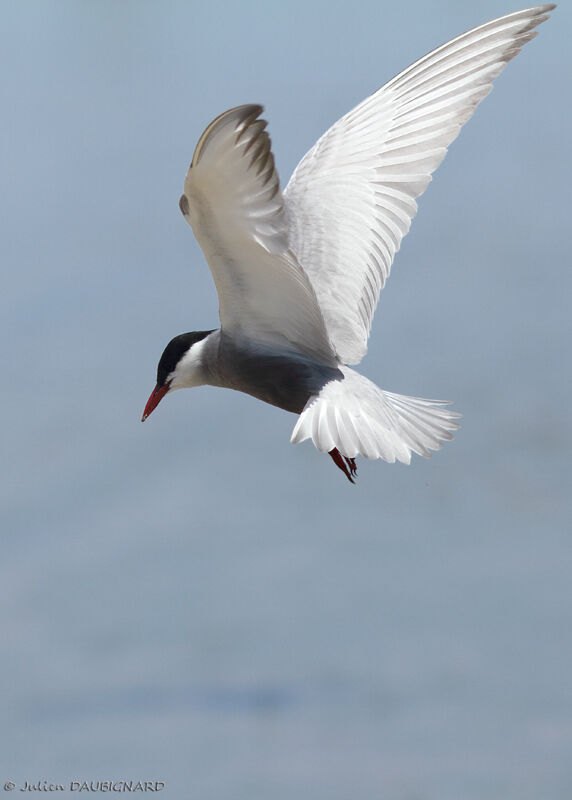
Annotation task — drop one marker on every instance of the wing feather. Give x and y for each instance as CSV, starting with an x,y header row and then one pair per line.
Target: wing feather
x,y
351,199
233,202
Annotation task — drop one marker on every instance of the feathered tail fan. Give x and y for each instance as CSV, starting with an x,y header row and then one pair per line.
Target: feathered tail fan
x,y
356,417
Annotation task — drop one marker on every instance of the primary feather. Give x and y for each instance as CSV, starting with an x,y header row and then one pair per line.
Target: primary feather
x,y
351,198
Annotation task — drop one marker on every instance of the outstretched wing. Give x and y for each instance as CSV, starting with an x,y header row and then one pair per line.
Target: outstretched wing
x,y
352,197
234,204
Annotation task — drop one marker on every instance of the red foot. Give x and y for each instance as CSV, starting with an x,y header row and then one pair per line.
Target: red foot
x,y
347,465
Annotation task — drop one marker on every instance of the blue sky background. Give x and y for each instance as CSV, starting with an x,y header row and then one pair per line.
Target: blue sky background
x,y
194,600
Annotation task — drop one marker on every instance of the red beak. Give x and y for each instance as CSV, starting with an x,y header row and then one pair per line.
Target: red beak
x,y
157,395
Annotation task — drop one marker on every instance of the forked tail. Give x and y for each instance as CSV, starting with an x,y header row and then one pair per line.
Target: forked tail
x,y
354,417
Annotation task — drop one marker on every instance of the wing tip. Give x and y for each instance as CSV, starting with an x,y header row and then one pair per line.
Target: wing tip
x,y
243,115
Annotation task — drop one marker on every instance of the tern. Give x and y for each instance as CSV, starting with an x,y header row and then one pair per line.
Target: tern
x,y
299,272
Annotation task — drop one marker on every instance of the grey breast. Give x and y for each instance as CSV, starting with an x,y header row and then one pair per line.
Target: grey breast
x,y
283,378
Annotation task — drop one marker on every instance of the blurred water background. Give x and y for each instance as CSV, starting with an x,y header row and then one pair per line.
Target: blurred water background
x,y
194,600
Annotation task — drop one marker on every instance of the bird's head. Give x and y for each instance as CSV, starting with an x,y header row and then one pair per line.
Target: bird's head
x,y
180,366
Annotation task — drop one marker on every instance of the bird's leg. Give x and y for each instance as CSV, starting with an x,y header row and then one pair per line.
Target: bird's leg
x,y
351,462
347,465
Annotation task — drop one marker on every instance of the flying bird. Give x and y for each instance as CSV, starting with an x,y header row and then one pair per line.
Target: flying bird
x,y
299,272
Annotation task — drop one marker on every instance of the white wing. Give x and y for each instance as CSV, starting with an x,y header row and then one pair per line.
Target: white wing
x,y
234,204
352,197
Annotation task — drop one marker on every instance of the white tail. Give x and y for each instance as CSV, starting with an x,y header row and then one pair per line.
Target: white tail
x,y
358,418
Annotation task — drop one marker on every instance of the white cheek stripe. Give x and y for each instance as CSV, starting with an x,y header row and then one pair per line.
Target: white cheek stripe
x,y
189,371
